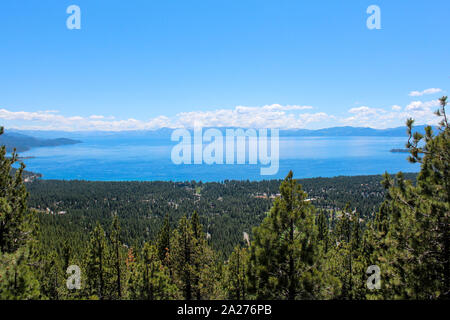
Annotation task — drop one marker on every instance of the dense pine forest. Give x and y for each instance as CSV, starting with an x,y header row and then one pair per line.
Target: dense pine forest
x,y
288,239
226,210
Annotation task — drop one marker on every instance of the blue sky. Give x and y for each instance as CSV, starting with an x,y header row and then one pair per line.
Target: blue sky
x,y
149,64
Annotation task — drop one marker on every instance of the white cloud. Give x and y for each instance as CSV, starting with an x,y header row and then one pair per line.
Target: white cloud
x,y
94,116
50,116
365,117
285,108
267,116
364,110
426,91
422,106
421,111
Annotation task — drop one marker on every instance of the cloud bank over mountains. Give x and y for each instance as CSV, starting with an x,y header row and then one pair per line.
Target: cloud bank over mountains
x,y
268,116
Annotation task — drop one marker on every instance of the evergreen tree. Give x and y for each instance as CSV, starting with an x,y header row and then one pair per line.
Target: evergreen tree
x,y
347,256
133,276
236,280
323,230
116,255
414,255
17,278
152,279
15,228
97,265
52,278
199,244
67,255
18,281
284,253
182,257
193,262
163,242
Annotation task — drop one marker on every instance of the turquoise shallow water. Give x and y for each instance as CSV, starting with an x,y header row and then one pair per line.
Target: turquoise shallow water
x,y
141,159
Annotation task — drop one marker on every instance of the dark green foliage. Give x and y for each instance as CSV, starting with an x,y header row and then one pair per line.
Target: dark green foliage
x,y
237,269
97,266
117,256
149,278
163,243
226,209
412,228
284,254
182,257
17,279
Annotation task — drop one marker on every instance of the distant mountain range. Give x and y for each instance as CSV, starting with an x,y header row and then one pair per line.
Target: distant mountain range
x,y
350,131
65,137
24,142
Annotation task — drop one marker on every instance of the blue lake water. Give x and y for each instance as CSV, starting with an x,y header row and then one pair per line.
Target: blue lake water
x,y
109,159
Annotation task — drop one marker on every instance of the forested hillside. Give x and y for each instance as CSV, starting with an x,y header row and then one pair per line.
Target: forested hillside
x,y
225,209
